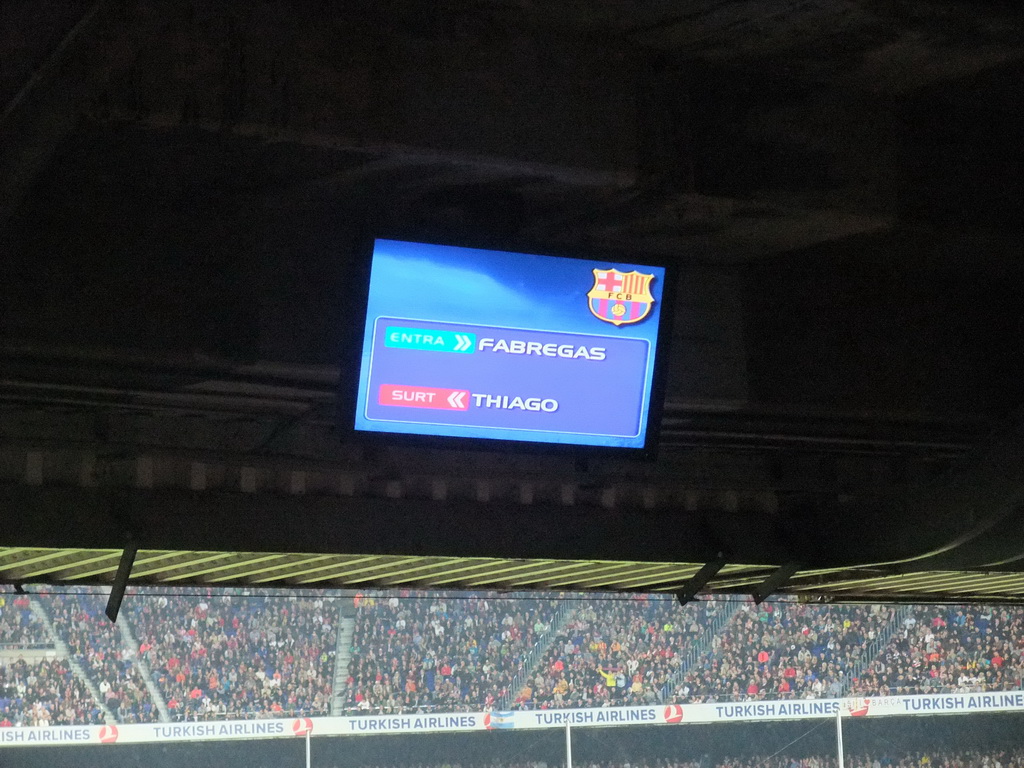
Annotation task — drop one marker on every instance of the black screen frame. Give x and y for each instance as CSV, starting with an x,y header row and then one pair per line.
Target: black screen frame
x,y
351,353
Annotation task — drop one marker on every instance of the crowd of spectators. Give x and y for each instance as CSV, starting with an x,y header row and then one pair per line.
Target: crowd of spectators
x,y
938,758
781,650
223,654
445,652
615,652
44,692
219,655
202,756
887,759
97,645
950,648
941,759
19,627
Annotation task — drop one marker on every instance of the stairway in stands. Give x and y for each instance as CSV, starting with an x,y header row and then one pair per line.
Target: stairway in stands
x,y
63,652
131,651
343,656
726,609
874,648
559,621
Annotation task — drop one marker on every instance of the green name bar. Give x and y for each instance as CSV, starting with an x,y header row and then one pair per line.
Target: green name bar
x,y
426,338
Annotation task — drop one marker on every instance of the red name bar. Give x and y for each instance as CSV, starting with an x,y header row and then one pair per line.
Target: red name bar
x,y
424,397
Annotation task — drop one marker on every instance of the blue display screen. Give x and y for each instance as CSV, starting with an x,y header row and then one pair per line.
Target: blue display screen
x,y
462,342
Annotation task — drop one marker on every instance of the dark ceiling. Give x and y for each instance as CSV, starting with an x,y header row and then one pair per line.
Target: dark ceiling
x,y
841,183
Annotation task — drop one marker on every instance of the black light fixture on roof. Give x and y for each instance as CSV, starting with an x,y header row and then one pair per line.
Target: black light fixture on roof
x,y
700,579
775,581
124,570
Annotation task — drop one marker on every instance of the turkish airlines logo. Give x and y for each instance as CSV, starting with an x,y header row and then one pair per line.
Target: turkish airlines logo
x,y
860,707
673,713
302,726
108,734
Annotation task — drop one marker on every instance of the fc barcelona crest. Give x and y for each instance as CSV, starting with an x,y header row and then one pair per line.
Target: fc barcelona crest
x,y
620,297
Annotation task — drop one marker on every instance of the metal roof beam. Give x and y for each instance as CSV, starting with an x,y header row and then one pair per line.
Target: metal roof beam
x,y
48,556
300,560
513,566
289,572
441,571
188,558
535,576
191,574
345,574
624,573
72,570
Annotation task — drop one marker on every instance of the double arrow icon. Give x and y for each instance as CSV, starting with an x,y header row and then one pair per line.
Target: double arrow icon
x,y
457,399
462,342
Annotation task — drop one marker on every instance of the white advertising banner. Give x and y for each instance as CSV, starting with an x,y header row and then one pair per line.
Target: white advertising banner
x,y
670,714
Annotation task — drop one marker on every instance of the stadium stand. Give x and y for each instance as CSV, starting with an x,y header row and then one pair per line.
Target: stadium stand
x,y
36,686
44,692
784,650
950,648
231,654
19,627
614,652
446,652
220,655
95,643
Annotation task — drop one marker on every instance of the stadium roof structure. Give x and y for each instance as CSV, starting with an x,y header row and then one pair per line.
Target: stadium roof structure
x,y
274,570
837,184
229,476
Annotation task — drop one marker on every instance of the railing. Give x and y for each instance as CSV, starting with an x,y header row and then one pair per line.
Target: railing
x,y
701,646
426,709
419,709
874,648
913,690
25,646
181,717
342,659
558,622
38,607
130,650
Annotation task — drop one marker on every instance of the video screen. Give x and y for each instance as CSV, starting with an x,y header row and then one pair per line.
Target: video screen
x,y
463,342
